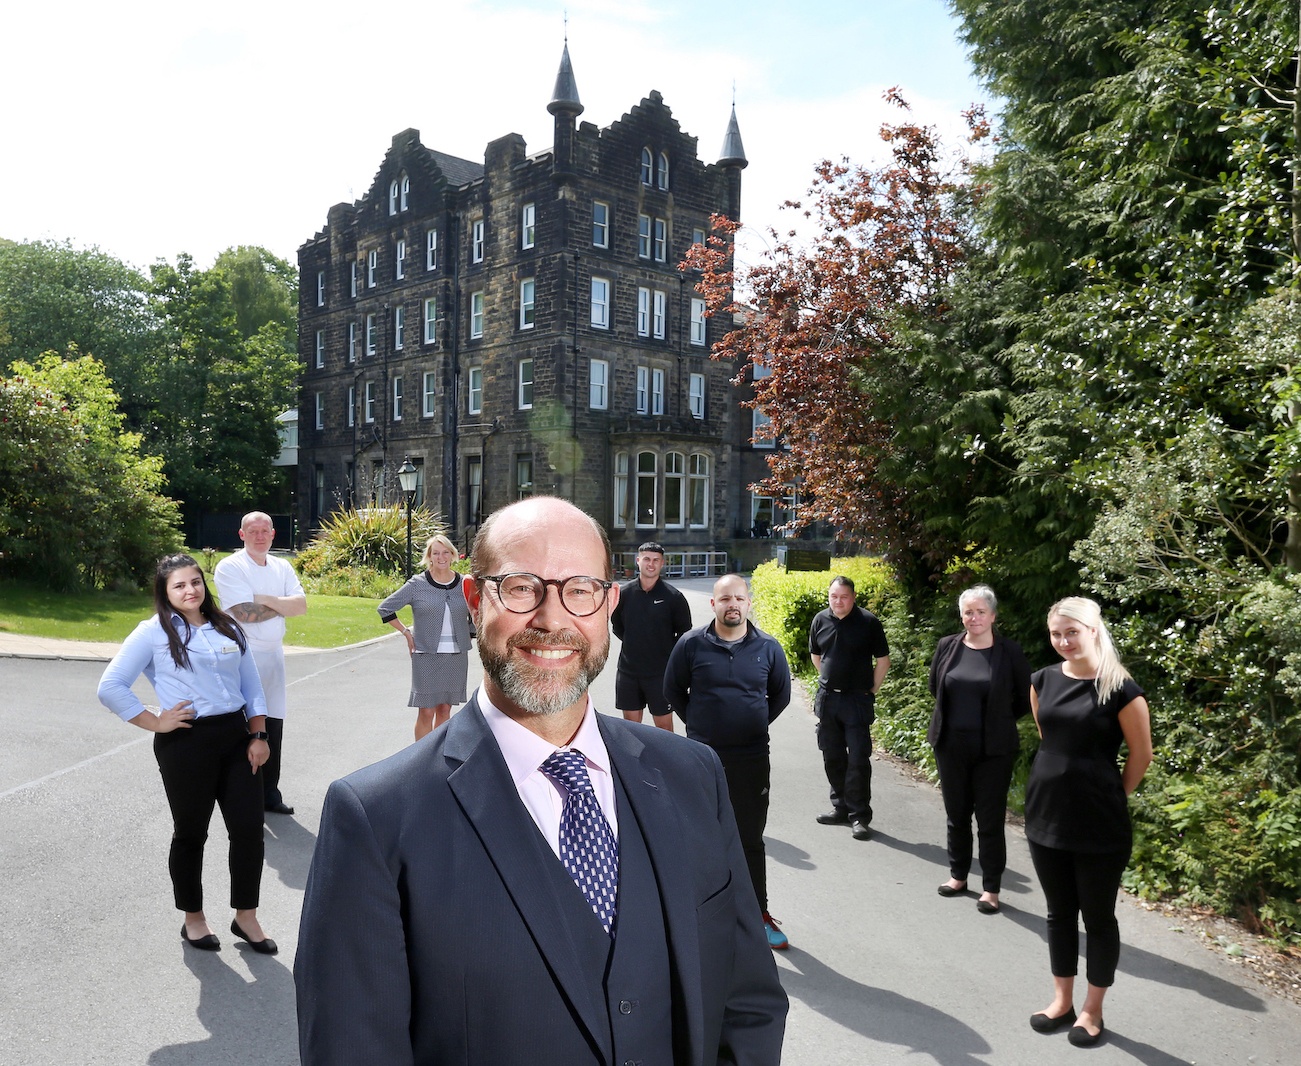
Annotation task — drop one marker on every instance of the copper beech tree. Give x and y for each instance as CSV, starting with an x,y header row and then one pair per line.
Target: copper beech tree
x,y
824,318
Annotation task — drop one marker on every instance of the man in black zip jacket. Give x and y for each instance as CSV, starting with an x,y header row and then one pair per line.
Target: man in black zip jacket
x,y
650,617
728,681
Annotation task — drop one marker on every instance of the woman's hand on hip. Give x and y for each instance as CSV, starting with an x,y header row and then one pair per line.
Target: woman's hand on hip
x,y
411,641
177,717
258,753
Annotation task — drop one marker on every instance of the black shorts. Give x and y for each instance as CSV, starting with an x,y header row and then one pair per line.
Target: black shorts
x,y
634,693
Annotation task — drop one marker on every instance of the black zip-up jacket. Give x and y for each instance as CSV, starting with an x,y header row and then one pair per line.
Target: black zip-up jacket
x,y
728,695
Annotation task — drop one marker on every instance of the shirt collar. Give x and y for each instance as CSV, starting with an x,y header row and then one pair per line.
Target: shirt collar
x,y
525,751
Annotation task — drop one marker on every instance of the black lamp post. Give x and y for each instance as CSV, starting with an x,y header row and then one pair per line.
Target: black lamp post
x,y
408,475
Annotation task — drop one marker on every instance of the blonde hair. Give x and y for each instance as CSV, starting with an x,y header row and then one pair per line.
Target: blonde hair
x,y
438,538
1111,674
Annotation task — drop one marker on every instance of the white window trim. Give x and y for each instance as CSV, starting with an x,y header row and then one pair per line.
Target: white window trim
x,y
476,314
528,303
320,410
352,406
654,477
320,349
600,311
476,241
352,340
603,227
528,226
431,249
643,390
521,381
428,394
431,320
696,395
320,288
705,480
370,334
643,312
400,259
657,391
369,411
406,193
399,327
647,167
661,240
598,384
474,390
680,478
397,398
352,286
372,265
393,197
662,171
620,517
659,317
643,236
699,331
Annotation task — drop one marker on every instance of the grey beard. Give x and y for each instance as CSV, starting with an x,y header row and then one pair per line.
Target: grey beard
x,y
525,686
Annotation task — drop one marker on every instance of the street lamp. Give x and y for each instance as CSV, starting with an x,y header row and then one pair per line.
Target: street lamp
x,y
408,475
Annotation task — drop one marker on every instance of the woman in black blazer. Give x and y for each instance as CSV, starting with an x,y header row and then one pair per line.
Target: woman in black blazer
x,y
981,685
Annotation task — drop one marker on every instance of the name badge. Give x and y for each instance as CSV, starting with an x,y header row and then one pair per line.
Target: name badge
x,y
230,649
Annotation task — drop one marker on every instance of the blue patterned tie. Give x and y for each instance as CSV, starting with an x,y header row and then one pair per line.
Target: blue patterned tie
x,y
587,845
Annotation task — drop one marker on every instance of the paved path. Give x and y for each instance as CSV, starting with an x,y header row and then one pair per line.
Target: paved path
x,y
881,970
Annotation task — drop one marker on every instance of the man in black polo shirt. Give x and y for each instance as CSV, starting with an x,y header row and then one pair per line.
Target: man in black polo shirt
x,y
843,642
649,617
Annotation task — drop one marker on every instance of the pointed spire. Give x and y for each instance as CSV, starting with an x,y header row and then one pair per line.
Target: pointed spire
x,y
564,97
733,153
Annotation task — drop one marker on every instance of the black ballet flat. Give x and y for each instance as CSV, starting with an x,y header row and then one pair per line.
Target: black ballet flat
x,y
203,943
986,907
1081,1037
1042,1023
948,891
265,946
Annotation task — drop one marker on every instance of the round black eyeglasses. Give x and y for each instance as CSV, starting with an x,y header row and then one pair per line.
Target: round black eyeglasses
x,y
522,593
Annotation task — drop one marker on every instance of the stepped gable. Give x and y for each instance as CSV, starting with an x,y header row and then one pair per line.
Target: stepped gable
x,y
654,108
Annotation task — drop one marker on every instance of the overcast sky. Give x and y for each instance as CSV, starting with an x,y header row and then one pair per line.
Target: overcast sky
x,y
152,127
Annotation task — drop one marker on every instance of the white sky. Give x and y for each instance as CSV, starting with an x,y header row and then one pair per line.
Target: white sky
x,y
152,127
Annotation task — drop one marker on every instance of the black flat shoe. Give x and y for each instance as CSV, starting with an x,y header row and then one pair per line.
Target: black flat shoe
x,y
265,946
203,943
1041,1023
279,807
986,907
948,891
833,818
1081,1037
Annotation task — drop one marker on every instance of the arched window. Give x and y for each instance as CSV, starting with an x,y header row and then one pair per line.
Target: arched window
x,y
675,490
621,490
699,514
393,197
645,504
406,191
647,167
662,171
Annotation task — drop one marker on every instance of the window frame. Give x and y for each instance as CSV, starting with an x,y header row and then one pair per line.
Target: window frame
x,y
528,299
643,236
393,198
476,315
320,410
528,226
405,193
642,396
662,171
699,328
352,340
646,478
643,311
524,384
431,249
399,327
429,394
352,406
600,228
524,487
603,320
352,284
372,265
661,240
598,384
431,320
474,390
368,403
676,477
320,288
698,475
400,259
476,240
657,391
396,390
320,349
371,339
647,167
619,501
659,315
696,395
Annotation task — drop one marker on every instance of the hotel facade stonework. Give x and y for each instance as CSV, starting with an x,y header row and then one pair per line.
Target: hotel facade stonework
x,y
520,326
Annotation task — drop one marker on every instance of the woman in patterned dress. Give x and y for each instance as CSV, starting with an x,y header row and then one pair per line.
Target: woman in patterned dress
x,y
438,637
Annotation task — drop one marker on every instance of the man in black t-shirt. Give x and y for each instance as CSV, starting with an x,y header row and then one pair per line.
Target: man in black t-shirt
x,y
850,652
649,617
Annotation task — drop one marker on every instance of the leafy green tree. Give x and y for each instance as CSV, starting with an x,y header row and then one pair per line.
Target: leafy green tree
x,y
80,505
263,289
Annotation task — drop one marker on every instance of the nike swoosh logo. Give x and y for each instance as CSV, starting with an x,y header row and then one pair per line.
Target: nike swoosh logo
x,y
657,601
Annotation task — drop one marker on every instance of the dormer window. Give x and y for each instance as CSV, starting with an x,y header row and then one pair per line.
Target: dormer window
x,y
647,167
393,197
662,171
406,190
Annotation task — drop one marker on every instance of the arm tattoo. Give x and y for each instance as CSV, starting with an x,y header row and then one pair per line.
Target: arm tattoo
x,y
250,612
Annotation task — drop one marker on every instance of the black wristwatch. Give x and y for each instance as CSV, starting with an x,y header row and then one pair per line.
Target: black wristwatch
x,y
257,736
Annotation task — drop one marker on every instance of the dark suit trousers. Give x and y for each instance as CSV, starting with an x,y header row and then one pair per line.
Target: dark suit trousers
x,y
271,768
748,779
845,740
1075,884
202,766
974,784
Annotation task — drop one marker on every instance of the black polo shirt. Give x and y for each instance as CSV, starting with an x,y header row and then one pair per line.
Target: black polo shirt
x,y
849,647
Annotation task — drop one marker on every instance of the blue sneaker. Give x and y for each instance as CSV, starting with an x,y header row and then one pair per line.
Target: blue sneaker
x,y
777,940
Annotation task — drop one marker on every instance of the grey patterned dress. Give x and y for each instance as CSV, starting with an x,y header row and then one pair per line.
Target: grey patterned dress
x,y
435,677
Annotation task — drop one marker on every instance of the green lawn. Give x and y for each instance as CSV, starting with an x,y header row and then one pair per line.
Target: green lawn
x,y
330,622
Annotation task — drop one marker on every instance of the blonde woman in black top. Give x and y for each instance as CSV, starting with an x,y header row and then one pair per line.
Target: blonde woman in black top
x,y
1076,806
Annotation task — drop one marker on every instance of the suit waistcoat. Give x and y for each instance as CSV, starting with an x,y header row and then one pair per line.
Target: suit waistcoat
x,y
629,974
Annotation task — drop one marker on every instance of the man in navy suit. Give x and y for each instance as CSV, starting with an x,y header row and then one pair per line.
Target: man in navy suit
x,y
441,923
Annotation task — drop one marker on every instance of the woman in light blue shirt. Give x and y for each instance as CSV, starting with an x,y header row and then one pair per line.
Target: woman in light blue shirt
x,y
210,739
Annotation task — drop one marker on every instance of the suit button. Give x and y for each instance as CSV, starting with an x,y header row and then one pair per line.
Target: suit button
x,y
625,1006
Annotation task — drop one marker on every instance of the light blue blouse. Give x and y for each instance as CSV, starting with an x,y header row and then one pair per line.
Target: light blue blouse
x,y
220,679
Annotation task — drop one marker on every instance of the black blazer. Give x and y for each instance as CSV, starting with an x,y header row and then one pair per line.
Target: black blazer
x,y
1009,692
431,932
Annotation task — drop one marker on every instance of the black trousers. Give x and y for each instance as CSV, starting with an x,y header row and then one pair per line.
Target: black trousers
x,y
845,740
271,768
973,783
1083,883
202,766
748,779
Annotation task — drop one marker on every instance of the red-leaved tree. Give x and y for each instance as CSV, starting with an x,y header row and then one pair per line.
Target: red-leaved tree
x,y
825,317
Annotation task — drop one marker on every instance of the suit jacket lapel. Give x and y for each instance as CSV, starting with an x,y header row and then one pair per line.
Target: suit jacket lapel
x,y
486,793
657,817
